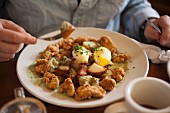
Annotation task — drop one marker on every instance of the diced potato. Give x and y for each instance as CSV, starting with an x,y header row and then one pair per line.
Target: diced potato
x,y
96,70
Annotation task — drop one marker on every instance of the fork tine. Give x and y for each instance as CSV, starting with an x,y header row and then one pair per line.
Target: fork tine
x,y
53,37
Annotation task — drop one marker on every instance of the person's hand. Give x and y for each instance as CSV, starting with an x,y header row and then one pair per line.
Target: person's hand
x,y
164,24
12,39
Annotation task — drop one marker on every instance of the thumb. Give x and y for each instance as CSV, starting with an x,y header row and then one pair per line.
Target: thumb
x,y
151,34
157,35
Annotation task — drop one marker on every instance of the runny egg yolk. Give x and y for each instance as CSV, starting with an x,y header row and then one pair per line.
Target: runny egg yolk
x,y
81,54
102,56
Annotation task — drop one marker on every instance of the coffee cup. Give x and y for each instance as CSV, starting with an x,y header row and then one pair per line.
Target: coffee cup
x,y
148,95
144,95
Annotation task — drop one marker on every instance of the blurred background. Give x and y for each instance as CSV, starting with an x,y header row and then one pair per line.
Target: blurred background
x,y
162,6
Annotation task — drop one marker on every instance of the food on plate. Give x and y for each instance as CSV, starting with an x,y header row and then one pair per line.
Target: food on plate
x,y
107,42
120,57
81,54
118,73
107,84
50,80
66,29
87,91
81,67
67,87
102,56
96,70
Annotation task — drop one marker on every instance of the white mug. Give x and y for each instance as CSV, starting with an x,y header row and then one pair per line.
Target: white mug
x,y
144,95
148,95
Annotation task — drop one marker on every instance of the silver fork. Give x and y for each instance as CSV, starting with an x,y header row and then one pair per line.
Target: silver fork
x,y
55,37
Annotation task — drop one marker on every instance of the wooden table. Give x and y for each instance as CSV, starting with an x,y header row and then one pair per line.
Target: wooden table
x,y
9,81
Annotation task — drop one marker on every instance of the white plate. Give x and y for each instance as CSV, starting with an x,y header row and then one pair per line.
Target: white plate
x,y
137,68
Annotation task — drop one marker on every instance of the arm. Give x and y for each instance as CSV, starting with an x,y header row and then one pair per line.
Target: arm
x,y
134,15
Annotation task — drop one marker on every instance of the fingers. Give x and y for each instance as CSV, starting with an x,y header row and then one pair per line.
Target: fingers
x,y
12,39
10,48
16,37
152,34
11,32
165,36
164,23
11,25
6,56
3,60
7,51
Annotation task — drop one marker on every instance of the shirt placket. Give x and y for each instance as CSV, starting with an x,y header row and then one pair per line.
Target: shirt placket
x,y
78,15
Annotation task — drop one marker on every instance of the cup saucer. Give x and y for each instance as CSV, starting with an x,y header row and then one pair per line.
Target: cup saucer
x,y
118,107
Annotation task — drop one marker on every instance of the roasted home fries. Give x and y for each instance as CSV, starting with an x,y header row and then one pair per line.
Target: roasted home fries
x,y
82,68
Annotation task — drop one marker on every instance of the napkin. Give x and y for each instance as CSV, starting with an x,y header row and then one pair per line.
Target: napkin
x,y
154,53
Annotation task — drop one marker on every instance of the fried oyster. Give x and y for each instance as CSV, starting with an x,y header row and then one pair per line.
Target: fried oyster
x,y
50,80
87,91
67,87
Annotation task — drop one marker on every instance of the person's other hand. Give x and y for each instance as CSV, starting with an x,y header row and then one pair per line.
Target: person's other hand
x,y
164,24
12,39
